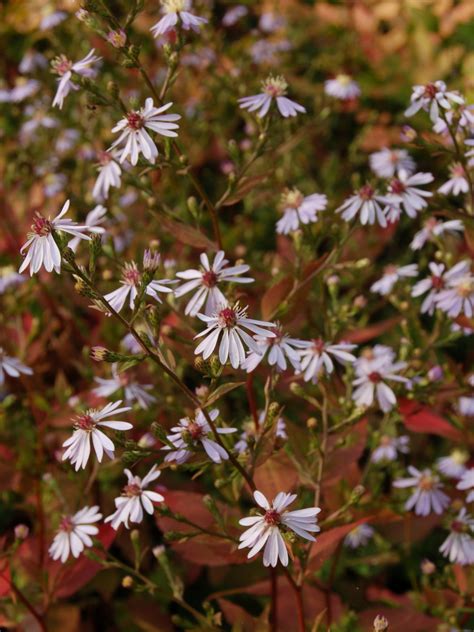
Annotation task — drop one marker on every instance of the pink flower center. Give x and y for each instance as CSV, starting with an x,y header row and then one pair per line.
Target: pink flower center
x,y
61,65
272,517
430,91
66,524
132,489
465,288
457,171
437,282
394,156
397,186
366,192
41,226
318,345
85,422
195,430
131,276
124,379
386,441
209,278
431,224
104,158
391,269
375,377
426,483
278,336
134,120
457,526
227,317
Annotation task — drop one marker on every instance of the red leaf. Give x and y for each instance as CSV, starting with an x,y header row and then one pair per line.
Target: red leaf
x,y
278,474
359,336
5,579
419,418
328,542
274,296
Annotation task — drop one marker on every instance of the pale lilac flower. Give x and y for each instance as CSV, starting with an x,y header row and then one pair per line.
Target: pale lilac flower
x,y
273,88
466,406
52,19
41,247
10,278
372,371
87,430
193,433
389,447
453,465
271,21
54,183
297,208
316,356
30,61
65,68
36,118
280,348
342,87
205,283
404,191
133,391
430,98
433,228
129,286
234,14
243,442
459,545
458,296
432,284
228,324
74,533
391,275
359,536
457,183
266,530
133,131
265,51
110,174
134,499
467,483
366,202
462,117
11,366
177,11
427,496
118,38
23,89
387,162
93,220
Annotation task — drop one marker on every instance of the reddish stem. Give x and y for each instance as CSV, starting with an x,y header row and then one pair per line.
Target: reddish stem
x,y
251,399
299,600
274,601
28,606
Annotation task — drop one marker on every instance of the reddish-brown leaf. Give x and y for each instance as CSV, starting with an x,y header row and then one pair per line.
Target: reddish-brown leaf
x,y
328,542
419,418
278,474
186,234
360,336
274,296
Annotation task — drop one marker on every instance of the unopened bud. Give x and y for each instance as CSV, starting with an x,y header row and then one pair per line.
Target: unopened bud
x,y
159,550
427,567
297,389
117,38
380,623
127,581
357,493
312,423
134,535
98,354
21,531
151,260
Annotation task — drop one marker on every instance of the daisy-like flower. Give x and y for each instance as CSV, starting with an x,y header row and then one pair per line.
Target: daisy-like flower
x,y
366,202
387,162
193,433
177,11
427,496
243,442
431,97
273,88
129,286
74,533
298,209
10,278
391,275
205,281
433,228
87,429
342,87
52,19
389,447
281,349
453,465
12,367
134,499
359,536
466,406
41,247
65,68
436,282
93,220
231,322
458,296
457,183
466,482
404,191
373,369
266,530
133,131
459,545
110,175
316,355
133,391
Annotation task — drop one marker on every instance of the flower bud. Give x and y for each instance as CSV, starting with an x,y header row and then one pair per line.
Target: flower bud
x,y
427,567
21,531
158,551
127,581
117,38
380,623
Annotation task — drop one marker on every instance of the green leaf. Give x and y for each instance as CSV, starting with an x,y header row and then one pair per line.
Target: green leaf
x,y
220,392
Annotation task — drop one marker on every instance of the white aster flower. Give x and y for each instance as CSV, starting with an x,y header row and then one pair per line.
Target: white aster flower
x,y
11,366
133,391
93,220
228,324
436,282
192,433
453,465
459,545
74,533
359,536
134,499
366,202
459,117
373,369
41,247
457,183
299,209
205,281
177,11
342,87
266,530
129,286
87,430
404,191
387,162
427,496
433,228
273,88
389,447
466,406
133,131
391,275
466,482
52,19
110,175
65,68
280,348
430,98
458,295
31,61
316,356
